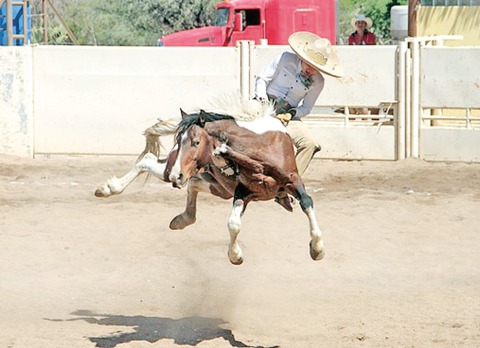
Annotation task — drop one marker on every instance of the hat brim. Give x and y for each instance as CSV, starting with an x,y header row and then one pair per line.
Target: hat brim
x,y
366,20
300,40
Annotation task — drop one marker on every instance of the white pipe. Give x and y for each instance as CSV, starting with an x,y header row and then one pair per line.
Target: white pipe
x,y
400,120
408,98
415,101
244,70
418,39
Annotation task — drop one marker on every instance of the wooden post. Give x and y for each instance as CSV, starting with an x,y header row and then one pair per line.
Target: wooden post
x,y
45,22
9,23
69,32
25,23
412,17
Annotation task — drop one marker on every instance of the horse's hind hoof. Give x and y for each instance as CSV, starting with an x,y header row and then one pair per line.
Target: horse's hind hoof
x,y
317,255
237,262
285,202
235,259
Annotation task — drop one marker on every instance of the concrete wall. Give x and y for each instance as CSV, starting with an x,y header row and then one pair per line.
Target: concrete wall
x,y
16,113
98,100
447,81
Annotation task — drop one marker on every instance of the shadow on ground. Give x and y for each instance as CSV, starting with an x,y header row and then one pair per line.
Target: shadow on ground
x,y
185,331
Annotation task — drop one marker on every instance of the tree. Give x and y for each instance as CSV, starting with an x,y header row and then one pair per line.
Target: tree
x,y
123,23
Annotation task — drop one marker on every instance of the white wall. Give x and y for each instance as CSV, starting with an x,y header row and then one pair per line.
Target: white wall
x,y
98,100
16,114
450,77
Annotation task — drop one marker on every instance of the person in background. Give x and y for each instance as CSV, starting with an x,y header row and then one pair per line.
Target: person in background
x,y
362,35
294,81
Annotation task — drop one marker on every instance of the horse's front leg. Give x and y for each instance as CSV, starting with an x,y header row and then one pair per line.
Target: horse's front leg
x,y
188,217
317,246
114,186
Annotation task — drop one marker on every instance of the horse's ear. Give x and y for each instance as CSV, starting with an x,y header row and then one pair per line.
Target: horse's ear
x,y
183,113
201,120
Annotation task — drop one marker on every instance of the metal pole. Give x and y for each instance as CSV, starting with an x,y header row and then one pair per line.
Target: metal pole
x,y
244,70
436,112
400,120
415,113
9,23
408,98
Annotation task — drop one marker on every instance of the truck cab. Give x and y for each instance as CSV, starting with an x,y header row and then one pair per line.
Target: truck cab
x,y
274,20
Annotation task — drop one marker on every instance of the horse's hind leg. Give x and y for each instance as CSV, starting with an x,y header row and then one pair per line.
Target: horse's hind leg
x,y
235,253
114,186
317,246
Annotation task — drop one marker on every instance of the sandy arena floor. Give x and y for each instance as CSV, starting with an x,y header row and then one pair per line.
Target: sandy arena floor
x,y
402,266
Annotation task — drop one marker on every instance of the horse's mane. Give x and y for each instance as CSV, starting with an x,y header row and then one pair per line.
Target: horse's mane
x,y
199,119
242,110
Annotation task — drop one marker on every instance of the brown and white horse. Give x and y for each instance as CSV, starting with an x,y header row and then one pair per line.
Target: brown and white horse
x,y
249,157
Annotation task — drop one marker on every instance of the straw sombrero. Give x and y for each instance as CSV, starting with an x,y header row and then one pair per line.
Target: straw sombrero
x,y
316,51
361,18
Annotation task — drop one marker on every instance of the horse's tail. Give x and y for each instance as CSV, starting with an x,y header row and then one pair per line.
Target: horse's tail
x,y
152,135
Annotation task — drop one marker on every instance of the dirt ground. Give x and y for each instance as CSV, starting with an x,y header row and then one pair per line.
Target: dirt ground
x,y
402,267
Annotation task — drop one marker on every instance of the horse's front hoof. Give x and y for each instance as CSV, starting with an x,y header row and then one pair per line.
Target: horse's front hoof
x,y
181,221
317,253
103,191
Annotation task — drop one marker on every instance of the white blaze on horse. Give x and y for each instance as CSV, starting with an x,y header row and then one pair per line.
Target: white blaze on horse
x,y
240,151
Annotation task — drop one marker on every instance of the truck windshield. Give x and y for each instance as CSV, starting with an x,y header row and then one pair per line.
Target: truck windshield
x,y
221,17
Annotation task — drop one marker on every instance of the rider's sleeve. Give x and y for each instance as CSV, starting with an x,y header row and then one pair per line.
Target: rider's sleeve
x,y
265,77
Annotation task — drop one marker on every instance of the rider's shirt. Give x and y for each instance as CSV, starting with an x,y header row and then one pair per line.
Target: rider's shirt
x,y
283,80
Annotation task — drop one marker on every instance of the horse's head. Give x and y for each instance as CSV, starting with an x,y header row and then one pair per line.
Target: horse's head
x,y
194,149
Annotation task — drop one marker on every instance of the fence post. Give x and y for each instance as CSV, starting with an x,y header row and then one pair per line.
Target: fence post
x,y
401,105
415,100
244,69
9,23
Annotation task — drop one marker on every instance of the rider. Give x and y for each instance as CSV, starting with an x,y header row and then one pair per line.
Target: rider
x,y
294,81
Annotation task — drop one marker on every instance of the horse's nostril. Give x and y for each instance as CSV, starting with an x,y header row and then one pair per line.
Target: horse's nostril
x,y
180,176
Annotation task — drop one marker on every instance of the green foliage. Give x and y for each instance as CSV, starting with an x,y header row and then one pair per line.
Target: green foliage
x,y
127,22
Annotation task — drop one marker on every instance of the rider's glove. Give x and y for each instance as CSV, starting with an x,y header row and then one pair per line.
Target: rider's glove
x,y
284,118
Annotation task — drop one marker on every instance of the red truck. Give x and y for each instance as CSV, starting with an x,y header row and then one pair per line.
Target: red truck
x,y
273,20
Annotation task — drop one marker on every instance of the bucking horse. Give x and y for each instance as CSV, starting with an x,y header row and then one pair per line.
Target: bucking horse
x,y
239,150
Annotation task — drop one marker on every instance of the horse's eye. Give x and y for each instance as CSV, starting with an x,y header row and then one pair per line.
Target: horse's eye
x,y
195,143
